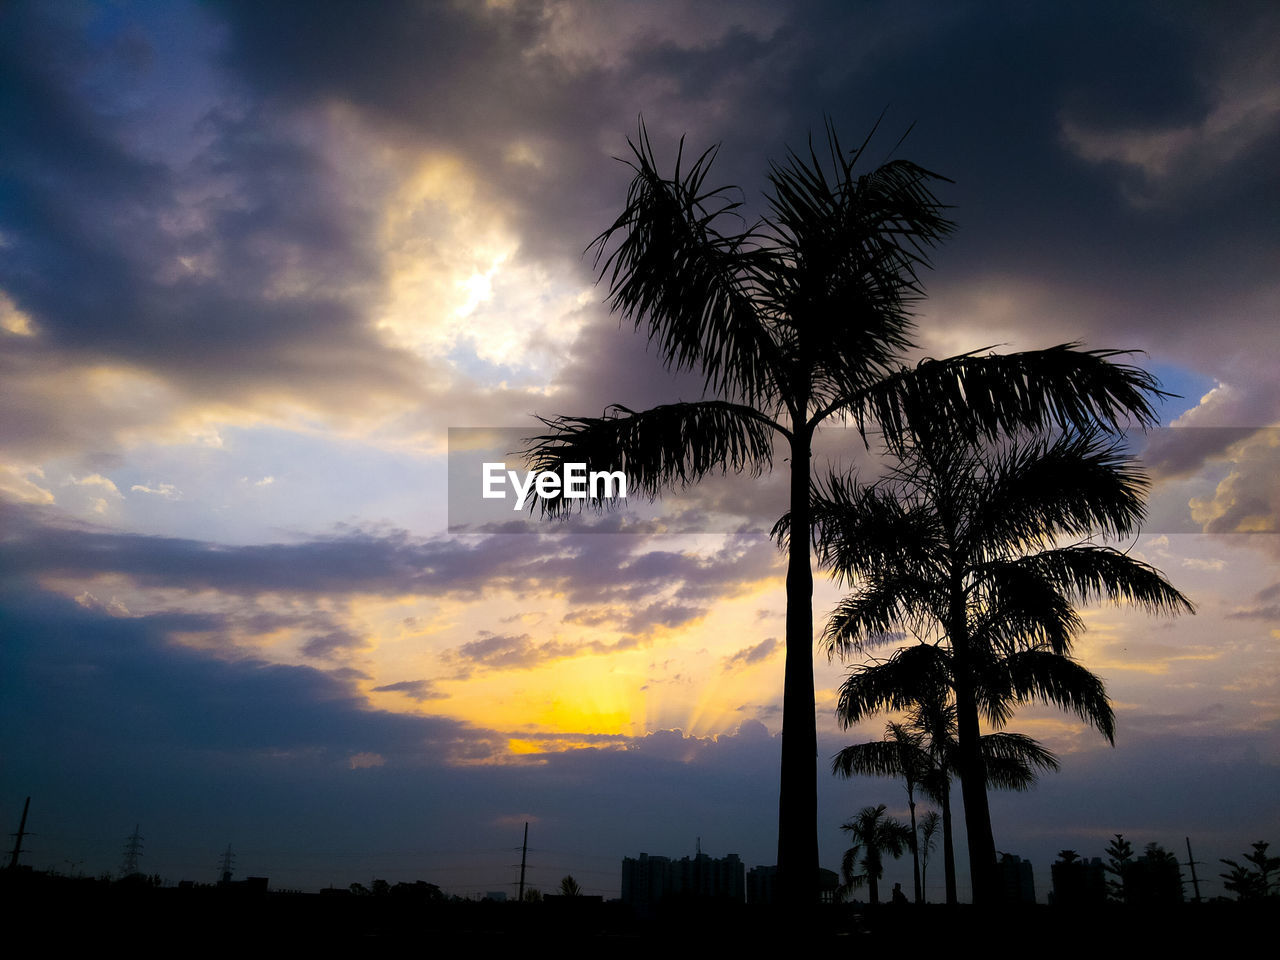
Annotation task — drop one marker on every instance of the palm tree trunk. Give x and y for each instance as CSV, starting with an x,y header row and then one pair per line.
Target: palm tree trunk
x,y
798,796
915,851
973,787
948,845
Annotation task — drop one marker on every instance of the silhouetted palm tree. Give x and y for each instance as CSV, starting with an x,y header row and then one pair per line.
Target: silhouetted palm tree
x,y
872,836
957,545
1011,760
899,754
928,838
797,319
569,887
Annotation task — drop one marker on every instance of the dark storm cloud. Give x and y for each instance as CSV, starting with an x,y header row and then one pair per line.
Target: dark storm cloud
x,y
277,756
1114,172
189,743
120,256
591,570
477,80
1011,104
68,669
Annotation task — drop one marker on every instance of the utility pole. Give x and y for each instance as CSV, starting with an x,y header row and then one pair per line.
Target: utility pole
x,y
524,852
132,851
22,832
1191,862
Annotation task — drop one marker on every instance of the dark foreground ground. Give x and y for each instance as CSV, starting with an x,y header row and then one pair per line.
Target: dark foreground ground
x,y
91,912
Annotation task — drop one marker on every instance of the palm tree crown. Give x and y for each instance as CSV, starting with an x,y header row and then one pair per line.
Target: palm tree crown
x,y
872,836
797,318
960,546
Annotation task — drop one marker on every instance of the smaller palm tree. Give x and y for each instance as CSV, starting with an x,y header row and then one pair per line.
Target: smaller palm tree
x,y
569,887
900,754
961,545
924,752
873,835
930,823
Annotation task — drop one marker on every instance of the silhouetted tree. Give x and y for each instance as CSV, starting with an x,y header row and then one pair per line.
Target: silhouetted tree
x,y
1154,878
1119,856
928,839
899,754
569,887
957,546
799,318
873,836
1011,762
1252,882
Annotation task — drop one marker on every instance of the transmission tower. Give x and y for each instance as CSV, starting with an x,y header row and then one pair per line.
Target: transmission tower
x,y
225,865
132,851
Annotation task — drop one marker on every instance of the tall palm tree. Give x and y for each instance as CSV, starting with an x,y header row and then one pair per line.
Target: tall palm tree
x,y
959,546
797,319
924,752
872,835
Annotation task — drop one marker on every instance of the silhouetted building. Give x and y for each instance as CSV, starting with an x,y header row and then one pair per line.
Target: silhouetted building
x,y
645,881
762,883
649,880
1078,882
1154,878
1017,883
828,885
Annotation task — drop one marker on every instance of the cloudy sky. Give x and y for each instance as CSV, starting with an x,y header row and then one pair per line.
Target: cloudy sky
x,y
257,259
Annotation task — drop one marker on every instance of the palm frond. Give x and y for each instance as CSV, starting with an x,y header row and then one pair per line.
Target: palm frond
x,y
853,245
1011,760
988,395
1017,609
668,446
878,758
1074,484
899,754
1092,572
1040,675
675,272
860,530
914,674
875,614
851,879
